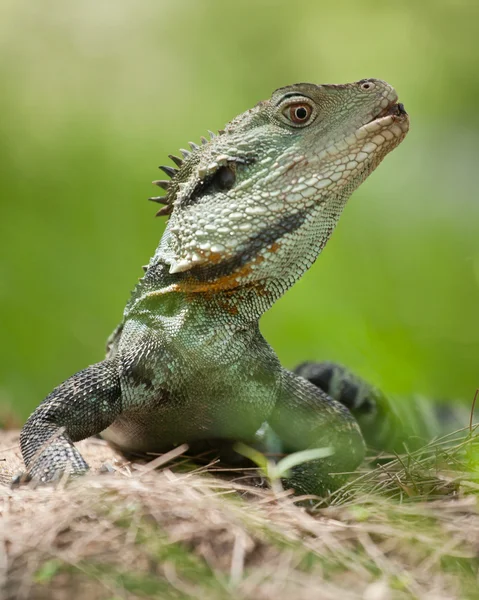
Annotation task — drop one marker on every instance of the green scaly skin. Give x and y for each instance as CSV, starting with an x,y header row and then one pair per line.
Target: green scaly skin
x,y
250,211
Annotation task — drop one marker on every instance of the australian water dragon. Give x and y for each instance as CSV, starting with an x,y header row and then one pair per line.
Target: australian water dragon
x,y
249,212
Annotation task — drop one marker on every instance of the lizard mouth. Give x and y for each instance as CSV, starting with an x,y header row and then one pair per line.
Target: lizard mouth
x,y
395,109
393,118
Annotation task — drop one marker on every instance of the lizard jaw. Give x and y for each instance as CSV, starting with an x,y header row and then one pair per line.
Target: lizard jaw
x,y
393,112
394,108
393,118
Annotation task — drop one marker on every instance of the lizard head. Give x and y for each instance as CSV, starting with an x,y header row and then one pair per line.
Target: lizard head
x,y
261,199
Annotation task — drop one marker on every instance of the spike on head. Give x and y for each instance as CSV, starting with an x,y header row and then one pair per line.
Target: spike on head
x,y
166,210
170,171
176,159
159,199
193,146
162,183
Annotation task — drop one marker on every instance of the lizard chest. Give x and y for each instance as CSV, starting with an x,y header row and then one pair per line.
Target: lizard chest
x,y
168,401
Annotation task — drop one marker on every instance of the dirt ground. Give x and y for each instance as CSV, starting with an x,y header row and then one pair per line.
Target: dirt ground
x,y
160,530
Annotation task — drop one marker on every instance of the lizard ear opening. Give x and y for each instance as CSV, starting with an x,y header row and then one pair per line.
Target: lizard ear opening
x,y
220,178
225,177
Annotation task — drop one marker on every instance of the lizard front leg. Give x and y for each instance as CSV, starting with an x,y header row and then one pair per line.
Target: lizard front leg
x,y
82,406
305,417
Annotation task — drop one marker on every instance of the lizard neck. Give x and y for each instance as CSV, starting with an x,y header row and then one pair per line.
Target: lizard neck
x,y
161,293
210,328
272,259
237,291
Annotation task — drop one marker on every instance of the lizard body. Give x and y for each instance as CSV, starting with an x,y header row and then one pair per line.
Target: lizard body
x,y
250,211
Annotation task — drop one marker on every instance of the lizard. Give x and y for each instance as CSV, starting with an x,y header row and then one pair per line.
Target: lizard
x,y
249,211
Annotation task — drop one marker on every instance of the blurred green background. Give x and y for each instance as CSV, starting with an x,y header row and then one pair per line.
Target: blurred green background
x,y
95,95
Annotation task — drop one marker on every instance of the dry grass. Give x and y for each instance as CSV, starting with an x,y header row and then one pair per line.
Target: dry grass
x,y
406,529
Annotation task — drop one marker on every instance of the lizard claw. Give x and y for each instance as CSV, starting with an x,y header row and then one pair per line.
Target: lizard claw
x,y
20,479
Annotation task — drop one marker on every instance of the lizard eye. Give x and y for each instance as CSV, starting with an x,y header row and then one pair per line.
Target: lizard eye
x,y
298,113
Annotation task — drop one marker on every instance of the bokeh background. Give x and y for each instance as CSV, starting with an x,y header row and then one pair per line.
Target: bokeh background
x,y
95,94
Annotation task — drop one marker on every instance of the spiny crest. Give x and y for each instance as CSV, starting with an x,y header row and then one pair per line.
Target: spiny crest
x,y
172,172
162,183
176,159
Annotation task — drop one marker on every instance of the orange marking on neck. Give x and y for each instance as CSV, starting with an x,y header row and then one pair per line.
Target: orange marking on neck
x,y
223,283
275,246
